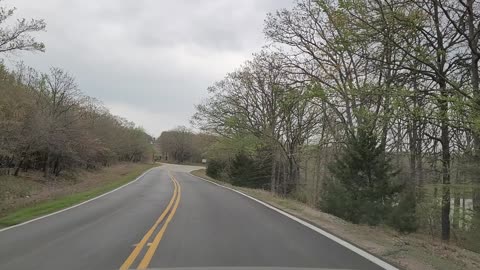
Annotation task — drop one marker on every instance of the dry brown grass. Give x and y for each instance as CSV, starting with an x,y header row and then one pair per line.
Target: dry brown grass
x,y
409,251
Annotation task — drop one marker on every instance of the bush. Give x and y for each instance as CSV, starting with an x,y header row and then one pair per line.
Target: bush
x,y
403,216
215,168
247,171
336,201
339,202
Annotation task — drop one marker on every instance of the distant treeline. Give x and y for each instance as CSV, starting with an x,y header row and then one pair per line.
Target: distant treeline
x,y
182,145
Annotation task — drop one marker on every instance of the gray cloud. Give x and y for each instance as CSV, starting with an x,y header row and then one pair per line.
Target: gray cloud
x,y
149,61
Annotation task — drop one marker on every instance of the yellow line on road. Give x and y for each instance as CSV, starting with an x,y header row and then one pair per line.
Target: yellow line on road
x,y
131,258
153,247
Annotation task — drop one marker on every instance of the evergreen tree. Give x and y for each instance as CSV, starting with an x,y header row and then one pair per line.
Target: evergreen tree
x,y
361,189
249,171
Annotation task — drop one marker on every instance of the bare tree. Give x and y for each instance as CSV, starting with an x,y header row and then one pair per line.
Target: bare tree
x,y
17,37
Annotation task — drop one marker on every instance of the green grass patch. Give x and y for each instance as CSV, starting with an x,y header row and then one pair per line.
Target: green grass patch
x,y
55,204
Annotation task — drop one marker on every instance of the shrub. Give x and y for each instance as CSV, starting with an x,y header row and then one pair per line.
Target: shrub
x,y
336,201
215,168
248,171
403,216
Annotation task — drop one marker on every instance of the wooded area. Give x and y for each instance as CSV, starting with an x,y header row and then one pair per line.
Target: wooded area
x,y
369,110
46,122
182,145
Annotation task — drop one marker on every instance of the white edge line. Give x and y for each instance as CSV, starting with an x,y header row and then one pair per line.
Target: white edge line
x,y
76,205
332,237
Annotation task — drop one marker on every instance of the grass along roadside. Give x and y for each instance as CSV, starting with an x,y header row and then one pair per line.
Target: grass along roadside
x,y
412,251
50,199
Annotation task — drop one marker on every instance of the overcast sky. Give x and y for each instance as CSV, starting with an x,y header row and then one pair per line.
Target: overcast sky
x,y
149,61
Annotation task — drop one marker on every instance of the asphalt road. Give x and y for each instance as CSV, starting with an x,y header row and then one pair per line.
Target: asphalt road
x,y
206,226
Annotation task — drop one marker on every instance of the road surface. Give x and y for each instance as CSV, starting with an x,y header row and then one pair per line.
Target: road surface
x,y
169,218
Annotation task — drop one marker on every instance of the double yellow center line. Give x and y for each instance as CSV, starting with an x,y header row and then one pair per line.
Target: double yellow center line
x,y
174,201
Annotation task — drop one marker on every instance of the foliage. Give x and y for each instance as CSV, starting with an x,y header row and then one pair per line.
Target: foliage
x,y
182,144
247,171
363,175
18,36
240,168
409,70
49,125
215,168
403,215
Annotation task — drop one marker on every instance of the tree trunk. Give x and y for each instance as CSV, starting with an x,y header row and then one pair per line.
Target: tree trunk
x,y
475,219
456,211
19,165
22,160
416,144
463,210
420,158
445,142
473,38
10,164
273,182
475,85
56,169
443,100
17,169
476,199
413,153
285,176
46,164
280,177
292,174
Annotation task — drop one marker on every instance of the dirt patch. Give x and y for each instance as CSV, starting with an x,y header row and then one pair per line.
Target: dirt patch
x,y
409,251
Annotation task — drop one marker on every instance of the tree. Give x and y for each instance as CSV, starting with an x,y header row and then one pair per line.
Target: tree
x,y
464,16
49,125
17,37
262,99
436,57
362,190
177,144
402,72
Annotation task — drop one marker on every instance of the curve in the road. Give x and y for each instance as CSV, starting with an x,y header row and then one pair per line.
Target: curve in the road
x,y
153,247
139,247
